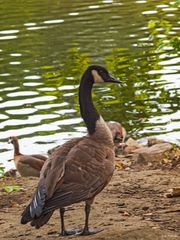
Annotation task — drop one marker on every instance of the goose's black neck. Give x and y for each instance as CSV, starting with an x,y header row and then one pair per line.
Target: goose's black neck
x,y
88,111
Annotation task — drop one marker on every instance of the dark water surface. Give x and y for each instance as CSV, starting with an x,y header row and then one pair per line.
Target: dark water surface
x,y
46,45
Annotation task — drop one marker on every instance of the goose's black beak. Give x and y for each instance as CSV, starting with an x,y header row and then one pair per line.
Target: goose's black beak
x,y
113,80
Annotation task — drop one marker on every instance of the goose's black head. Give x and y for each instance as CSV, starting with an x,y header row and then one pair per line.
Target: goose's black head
x,y
100,74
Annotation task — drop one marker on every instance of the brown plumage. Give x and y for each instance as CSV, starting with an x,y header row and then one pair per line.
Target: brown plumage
x,y
27,165
79,169
118,132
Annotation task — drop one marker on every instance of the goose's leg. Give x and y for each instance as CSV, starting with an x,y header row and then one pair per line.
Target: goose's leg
x,y
86,230
65,232
86,226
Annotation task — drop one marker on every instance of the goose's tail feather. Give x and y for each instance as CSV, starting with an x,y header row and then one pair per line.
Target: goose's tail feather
x,y
26,217
40,221
35,208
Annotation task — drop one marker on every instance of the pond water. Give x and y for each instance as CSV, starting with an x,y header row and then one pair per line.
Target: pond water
x,y
46,45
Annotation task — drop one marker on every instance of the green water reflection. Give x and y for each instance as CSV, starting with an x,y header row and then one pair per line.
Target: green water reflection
x,y
45,46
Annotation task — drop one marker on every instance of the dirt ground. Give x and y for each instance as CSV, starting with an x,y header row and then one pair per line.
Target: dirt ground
x,y
133,206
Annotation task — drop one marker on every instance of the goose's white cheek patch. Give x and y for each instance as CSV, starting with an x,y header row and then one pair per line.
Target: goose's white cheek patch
x,y
97,77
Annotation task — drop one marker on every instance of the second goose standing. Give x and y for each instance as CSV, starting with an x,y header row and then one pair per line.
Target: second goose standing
x,y
79,169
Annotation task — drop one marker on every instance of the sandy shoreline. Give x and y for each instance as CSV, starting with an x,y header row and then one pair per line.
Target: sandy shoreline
x,y
131,207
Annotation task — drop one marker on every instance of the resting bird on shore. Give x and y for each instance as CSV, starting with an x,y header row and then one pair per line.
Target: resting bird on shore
x,y
79,169
118,132
119,135
26,165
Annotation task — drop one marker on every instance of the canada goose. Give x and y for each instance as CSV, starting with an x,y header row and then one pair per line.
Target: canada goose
x,y
26,165
118,131
80,168
119,135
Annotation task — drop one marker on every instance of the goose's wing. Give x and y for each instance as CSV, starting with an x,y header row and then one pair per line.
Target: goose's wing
x,y
31,162
39,156
54,168
51,174
88,169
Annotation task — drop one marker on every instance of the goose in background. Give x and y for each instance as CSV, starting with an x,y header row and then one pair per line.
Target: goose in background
x,y
119,135
118,131
80,168
26,165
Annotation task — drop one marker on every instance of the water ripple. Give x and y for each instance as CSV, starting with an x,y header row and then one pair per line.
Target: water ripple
x,y
8,89
9,31
33,119
68,87
54,21
22,93
68,121
27,101
32,84
8,37
64,111
32,77
43,54
23,111
29,130
56,105
3,116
